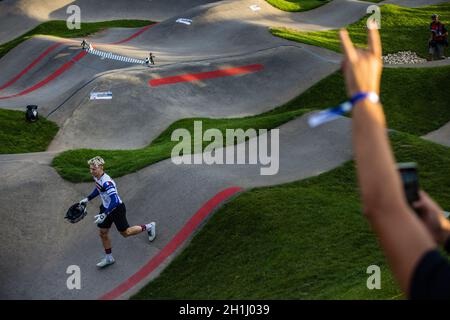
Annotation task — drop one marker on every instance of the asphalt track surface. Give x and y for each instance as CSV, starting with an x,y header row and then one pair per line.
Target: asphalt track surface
x,y
219,50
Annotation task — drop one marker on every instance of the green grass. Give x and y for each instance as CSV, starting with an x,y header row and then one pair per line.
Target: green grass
x,y
308,239
426,112
19,136
71,165
59,28
412,101
401,29
302,240
297,5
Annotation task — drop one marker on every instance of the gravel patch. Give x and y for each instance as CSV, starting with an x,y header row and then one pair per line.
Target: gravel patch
x,y
403,57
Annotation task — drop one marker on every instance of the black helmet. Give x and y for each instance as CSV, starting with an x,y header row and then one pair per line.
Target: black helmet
x,y
434,16
76,212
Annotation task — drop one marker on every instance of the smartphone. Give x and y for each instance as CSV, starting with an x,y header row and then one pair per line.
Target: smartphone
x,y
410,178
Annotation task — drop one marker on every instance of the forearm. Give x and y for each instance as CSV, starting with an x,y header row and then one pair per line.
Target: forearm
x,y
401,235
377,174
93,194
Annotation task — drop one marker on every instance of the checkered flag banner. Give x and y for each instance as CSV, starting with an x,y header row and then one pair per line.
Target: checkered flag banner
x,y
112,56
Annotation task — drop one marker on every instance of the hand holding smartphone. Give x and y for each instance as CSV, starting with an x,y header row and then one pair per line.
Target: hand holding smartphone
x,y
410,179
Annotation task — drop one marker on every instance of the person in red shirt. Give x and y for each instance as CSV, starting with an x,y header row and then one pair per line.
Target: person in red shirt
x,y
438,40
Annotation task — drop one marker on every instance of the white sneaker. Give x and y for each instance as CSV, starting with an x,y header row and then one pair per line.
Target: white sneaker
x,y
152,231
105,262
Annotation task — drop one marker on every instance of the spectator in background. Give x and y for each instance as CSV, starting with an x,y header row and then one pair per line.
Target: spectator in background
x,y
151,57
408,241
438,39
84,44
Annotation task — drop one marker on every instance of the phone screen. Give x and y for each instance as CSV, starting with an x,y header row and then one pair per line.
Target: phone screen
x,y
410,178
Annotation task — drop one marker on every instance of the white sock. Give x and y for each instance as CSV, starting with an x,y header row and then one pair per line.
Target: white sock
x,y
148,226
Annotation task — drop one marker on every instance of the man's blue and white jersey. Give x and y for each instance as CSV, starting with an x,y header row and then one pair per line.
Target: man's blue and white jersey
x,y
107,190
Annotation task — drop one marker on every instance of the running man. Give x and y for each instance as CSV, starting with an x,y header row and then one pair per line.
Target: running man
x,y
111,210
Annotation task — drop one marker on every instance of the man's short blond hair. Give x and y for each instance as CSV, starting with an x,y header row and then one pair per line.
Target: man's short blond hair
x,y
96,161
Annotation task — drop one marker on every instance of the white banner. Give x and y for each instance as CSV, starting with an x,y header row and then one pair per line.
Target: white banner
x,y
101,95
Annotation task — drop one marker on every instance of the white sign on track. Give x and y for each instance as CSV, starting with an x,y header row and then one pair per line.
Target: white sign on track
x,y
185,21
101,95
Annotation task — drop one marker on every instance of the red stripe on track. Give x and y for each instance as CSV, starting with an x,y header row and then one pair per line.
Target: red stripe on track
x,y
206,75
134,35
176,241
46,52
51,77
62,69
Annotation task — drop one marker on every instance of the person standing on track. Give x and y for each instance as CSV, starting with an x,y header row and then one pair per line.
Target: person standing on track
x,y
151,58
112,211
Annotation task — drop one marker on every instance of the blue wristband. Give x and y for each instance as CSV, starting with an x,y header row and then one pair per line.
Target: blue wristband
x,y
335,112
372,96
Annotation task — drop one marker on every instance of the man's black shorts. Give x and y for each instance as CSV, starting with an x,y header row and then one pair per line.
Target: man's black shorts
x,y
118,215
